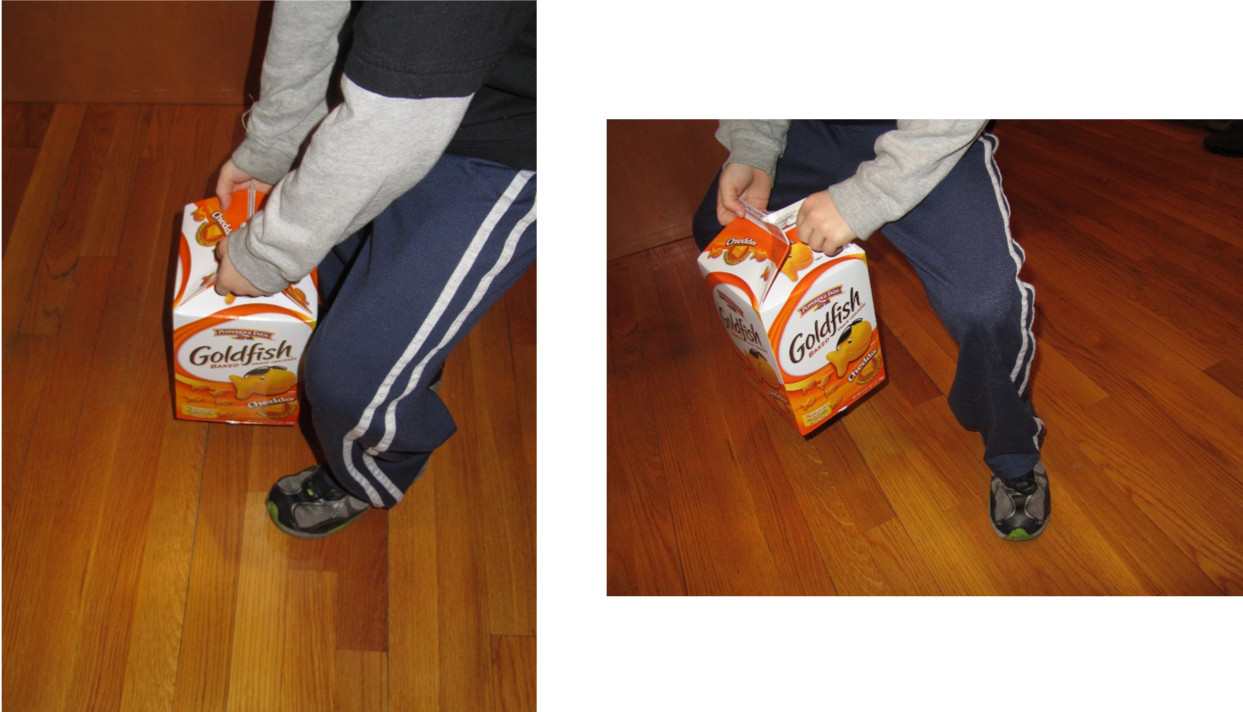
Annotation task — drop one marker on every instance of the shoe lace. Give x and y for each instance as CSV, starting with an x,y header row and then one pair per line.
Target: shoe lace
x,y
322,486
1023,485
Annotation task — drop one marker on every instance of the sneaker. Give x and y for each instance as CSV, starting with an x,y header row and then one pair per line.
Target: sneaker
x,y
311,504
1020,506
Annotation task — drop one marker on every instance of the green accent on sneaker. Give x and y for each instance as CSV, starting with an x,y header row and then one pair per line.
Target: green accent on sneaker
x,y
1019,535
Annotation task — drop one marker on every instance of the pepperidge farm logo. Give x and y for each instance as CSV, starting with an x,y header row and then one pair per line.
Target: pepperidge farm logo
x,y
244,334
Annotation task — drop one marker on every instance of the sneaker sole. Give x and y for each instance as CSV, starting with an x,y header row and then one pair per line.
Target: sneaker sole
x,y
273,515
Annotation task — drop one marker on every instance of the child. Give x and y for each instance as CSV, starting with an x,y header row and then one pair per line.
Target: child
x,y
936,189
416,199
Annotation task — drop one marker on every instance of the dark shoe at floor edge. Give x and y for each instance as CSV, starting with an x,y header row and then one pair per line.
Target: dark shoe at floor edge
x,y
311,504
1019,508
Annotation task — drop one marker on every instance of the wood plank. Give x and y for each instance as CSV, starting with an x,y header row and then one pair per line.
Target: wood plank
x,y
1228,373
957,542
106,219
508,506
1144,192
414,608
1216,177
513,672
1164,305
643,548
719,534
1128,553
1153,379
34,217
160,603
465,649
258,639
25,124
128,350
1198,514
211,598
786,533
24,383
904,372
642,542
1128,294
310,661
1054,374
54,281
842,502
522,305
48,535
785,528
362,682
362,598
897,559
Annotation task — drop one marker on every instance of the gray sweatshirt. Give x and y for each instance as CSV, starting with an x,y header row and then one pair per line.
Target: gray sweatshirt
x,y
364,154
909,163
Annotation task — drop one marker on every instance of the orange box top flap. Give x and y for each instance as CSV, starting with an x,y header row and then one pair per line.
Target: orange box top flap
x,y
751,249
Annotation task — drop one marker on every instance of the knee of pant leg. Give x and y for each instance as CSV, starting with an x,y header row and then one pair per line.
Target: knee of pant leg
x,y
998,309
329,391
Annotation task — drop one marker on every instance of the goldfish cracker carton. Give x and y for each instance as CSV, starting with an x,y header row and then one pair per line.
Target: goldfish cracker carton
x,y
803,322
235,359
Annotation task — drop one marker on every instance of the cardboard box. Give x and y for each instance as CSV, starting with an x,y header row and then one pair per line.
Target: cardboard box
x,y
803,322
235,359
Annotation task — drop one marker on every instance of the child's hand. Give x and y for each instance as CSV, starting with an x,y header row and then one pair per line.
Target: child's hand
x,y
234,179
820,226
228,279
741,182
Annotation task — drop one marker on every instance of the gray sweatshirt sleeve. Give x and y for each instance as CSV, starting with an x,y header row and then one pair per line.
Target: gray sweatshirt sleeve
x,y
302,47
754,142
909,163
364,155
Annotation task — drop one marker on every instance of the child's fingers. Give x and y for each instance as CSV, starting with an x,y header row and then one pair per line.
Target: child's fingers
x,y
723,215
224,193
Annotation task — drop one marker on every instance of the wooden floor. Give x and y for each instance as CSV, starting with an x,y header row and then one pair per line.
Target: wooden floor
x,y
140,571
1134,242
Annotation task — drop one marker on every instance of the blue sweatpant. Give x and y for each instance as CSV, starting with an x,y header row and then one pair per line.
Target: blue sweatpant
x,y
958,240
400,295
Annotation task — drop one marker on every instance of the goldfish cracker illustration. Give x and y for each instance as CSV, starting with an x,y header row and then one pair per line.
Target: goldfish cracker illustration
x,y
235,359
852,345
810,340
763,370
298,296
268,381
799,260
